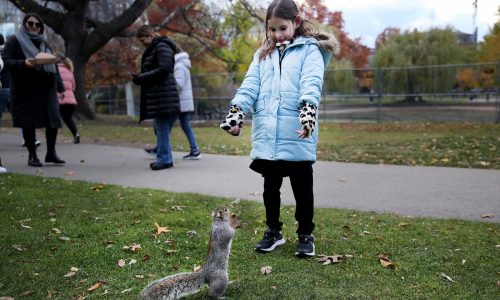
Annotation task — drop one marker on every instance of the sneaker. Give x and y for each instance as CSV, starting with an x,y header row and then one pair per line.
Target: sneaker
x,y
150,151
76,140
305,246
270,241
3,170
192,156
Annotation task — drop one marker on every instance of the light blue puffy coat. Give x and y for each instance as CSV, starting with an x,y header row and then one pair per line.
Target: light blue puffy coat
x,y
275,95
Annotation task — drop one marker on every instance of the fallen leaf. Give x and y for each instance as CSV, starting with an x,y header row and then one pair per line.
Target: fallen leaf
x,y
386,262
196,268
70,274
447,277
192,233
487,216
132,248
97,188
7,298
69,173
95,286
160,230
330,259
121,263
132,261
64,238
126,291
178,207
19,248
266,270
25,226
170,251
56,230
139,276
403,225
80,296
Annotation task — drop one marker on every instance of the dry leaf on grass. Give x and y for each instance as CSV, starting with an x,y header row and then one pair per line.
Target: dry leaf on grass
x,y
69,173
97,285
330,259
178,207
121,263
487,216
64,238
132,248
447,277
56,230
160,230
266,270
97,188
7,298
386,262
19,248
196,268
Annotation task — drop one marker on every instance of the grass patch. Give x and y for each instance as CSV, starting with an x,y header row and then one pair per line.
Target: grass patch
x,y
100,222
468,145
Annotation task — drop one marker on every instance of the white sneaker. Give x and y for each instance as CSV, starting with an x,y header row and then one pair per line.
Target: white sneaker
x,y
3,170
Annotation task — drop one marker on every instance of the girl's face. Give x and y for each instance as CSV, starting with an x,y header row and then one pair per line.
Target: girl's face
x,y
282,30
33,25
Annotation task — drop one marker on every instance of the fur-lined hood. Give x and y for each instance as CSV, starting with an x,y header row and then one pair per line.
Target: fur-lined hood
x,y
328,42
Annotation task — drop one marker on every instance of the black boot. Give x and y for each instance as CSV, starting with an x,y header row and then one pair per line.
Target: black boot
x,y
52,157
33,160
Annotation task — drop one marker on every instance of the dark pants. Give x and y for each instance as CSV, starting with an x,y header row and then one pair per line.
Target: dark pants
x,y
67,111
50,135
302,186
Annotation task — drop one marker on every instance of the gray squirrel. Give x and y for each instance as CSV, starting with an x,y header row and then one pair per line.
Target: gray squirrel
x,y
213,272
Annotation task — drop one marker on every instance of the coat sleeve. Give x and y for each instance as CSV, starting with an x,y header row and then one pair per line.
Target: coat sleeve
x,y
163,57
1,63
13,58
250,88
180,77
60,84
311,77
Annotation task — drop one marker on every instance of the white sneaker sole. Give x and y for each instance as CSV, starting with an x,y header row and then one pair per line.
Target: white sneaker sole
x,y
276,244
304,254
192,158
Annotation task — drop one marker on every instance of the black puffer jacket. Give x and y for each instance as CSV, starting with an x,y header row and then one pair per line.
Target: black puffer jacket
x,y
159,95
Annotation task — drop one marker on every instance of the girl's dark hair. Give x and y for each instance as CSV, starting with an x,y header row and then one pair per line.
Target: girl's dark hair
x,y
287,10
36,16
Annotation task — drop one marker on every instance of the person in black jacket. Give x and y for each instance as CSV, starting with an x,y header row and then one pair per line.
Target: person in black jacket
x,y
33,88
159,96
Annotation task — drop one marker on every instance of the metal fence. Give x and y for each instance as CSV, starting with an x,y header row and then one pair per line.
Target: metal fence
x,y
466,92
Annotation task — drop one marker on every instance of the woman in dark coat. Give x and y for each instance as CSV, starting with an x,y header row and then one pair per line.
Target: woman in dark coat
x,y
159,96
33,88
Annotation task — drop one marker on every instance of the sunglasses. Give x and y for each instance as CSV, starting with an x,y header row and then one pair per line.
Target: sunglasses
x,y
34,24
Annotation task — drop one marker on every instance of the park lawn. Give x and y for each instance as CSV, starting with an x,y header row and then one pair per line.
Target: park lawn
x,y
51,225
466,145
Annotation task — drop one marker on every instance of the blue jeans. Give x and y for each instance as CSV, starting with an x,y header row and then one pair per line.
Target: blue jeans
x,y
186,127
163,126
4,102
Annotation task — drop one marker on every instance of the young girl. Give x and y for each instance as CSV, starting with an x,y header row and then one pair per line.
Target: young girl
x,y
283,89
67,100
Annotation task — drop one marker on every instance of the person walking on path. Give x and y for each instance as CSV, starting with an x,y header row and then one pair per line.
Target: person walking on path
x,y
159,96
67,100
34,88
183,79
283,88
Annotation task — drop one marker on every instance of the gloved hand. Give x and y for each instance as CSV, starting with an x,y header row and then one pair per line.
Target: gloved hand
x,y
234,121
307,120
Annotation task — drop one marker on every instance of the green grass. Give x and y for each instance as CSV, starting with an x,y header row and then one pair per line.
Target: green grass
x,y
469,145
100,222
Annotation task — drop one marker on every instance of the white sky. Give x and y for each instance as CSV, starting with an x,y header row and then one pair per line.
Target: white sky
x,y
367,18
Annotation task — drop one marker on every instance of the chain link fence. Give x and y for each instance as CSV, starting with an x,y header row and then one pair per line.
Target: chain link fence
x,y
466,92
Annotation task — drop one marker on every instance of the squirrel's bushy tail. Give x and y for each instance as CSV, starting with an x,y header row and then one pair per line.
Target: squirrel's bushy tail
x,y
173,286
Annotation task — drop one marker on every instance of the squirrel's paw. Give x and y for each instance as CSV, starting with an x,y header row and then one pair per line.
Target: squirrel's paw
x,y
235,117
308,118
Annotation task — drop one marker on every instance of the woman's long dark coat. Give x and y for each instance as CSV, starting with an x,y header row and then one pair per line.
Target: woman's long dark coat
x,y
33,92
159,96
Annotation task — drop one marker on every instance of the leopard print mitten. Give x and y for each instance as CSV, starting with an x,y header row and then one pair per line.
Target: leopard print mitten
x,y
235,117
308,118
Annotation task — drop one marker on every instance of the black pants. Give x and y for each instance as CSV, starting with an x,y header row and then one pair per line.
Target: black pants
x,y
50,135
302,186
66,111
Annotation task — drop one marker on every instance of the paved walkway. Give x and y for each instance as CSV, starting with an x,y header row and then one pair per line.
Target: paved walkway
x,y
417,191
